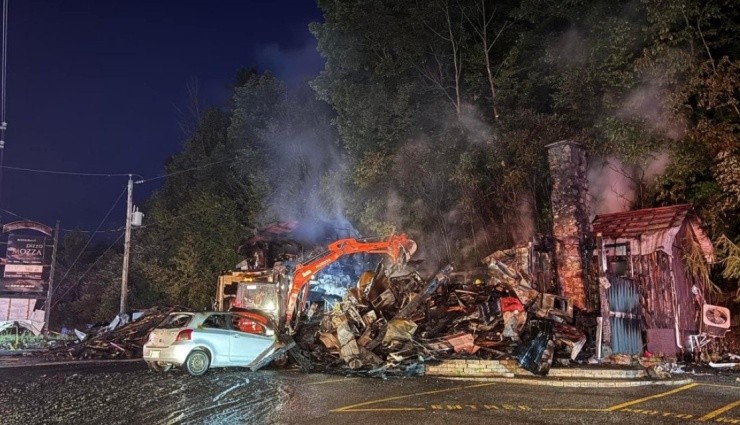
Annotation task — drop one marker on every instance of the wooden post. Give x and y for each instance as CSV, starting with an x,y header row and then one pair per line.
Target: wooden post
x,y
603,294
127,246
50,292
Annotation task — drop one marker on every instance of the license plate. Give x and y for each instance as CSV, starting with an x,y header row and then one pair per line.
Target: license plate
x,y
154,354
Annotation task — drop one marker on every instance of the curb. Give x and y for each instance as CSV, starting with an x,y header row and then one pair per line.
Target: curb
x,y
575,383
71,362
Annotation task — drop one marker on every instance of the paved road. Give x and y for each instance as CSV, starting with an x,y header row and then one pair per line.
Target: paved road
x,y
125,393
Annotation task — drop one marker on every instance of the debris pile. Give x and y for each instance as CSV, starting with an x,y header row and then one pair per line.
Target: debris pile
x,y
120,339
394,320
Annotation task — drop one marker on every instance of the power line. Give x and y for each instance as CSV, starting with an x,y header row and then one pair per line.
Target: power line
x,y
69,173
91,237
3,86
114,230
74,285
177,217
184,171
5,60
86,174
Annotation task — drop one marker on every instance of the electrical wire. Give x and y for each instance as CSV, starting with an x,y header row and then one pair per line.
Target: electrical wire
x,y
74,285
113,230
69,173
5,59
177,217
184,171
3,87
15,215
91,236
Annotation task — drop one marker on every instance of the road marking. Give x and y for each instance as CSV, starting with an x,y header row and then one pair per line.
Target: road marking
x,y
658,413
356,407
333,380
564,409
719,411
475,407
640,400
721,386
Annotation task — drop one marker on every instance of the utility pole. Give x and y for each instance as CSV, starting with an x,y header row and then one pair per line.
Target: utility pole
x,y
127,245
50,292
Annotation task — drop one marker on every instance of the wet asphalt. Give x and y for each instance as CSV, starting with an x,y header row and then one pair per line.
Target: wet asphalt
x,y
128,393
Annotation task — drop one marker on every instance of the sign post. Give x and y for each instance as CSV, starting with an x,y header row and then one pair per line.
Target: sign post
x,y
47,304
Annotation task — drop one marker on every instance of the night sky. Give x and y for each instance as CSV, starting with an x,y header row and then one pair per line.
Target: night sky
x,y
94,87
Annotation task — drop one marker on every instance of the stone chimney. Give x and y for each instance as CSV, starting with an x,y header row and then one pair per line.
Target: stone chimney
x,y
570,220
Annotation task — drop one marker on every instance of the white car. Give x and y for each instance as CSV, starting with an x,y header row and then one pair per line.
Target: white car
x,y
199,341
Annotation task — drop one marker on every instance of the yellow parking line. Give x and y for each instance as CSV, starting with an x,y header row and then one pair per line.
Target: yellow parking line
x,y
721,386
557,409
640,400
383,409
333,380
719,411
354,407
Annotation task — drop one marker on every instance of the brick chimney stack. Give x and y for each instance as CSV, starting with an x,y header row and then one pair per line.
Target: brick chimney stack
x,y
570,221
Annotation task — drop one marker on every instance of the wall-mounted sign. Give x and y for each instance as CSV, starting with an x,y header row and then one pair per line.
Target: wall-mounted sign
x,y
26,262
22,285
24,271
30,225
25,249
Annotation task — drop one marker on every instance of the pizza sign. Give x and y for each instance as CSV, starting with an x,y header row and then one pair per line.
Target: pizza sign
x,y
25,249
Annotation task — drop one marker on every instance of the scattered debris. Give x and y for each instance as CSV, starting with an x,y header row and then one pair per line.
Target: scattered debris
x,y
119,339
395,323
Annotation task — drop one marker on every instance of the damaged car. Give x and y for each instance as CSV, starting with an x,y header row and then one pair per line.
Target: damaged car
x,y
199,341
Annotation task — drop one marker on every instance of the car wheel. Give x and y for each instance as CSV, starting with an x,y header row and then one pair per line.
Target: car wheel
x,y
159,366
197,362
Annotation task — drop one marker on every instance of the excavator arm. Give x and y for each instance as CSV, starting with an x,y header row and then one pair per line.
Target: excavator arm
x,y
397,247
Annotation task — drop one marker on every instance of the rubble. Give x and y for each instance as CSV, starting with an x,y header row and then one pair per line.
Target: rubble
x,y
119,339
393,322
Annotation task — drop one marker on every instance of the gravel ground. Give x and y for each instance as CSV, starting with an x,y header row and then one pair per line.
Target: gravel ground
x,y
79,396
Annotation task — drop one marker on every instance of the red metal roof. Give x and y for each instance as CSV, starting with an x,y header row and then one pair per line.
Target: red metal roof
x,y
632,224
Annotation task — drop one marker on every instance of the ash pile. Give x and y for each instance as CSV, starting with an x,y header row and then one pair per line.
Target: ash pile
x,y
122,338
394,322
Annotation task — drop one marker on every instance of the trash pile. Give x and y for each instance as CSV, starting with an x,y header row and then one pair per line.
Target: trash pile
x,y
395,321
121,339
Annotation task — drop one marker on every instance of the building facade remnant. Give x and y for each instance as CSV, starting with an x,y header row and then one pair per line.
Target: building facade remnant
x,y
571,224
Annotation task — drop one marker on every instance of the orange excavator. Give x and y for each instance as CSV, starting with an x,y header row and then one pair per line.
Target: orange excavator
x,y
280,293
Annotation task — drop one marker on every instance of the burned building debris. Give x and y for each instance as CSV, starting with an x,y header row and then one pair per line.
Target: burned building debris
x,y
515,309
122,338
393,322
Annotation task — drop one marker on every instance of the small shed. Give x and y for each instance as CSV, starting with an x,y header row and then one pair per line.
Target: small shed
x,y
647,290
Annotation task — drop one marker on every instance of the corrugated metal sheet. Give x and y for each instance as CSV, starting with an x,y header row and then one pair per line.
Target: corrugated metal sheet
x,y
625,321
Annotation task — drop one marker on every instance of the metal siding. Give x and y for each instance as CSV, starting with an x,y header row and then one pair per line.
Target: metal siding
x,y
624,306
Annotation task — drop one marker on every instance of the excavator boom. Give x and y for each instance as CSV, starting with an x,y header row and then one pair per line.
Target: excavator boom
x,y
397,247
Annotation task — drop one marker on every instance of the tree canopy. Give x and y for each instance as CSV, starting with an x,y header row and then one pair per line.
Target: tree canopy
x,y
432,117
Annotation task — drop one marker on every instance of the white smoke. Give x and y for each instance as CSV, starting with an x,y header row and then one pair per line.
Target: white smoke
x,y
613,185
648,104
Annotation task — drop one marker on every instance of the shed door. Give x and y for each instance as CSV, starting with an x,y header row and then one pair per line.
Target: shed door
x,y
624,316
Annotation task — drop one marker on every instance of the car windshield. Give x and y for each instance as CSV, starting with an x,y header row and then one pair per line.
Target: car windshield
x,y
176,320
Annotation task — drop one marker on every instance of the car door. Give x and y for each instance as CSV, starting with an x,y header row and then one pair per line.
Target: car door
x,y
215,333
249,340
